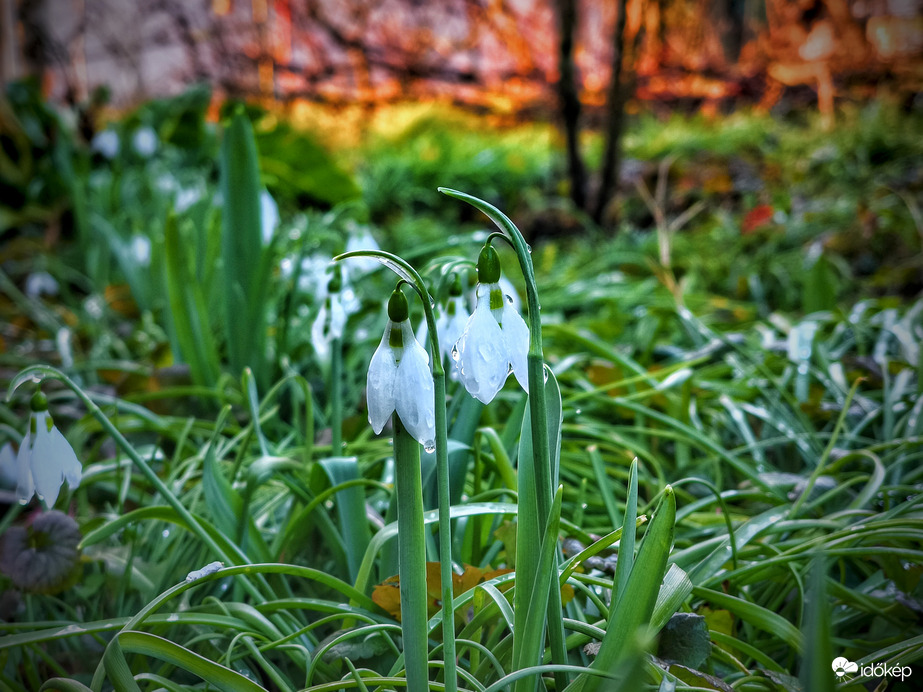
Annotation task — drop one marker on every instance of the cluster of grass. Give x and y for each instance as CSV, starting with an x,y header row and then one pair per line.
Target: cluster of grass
x,y
769,378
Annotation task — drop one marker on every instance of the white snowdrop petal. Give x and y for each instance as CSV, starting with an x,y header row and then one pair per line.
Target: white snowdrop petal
x,y
46,468
451,323
509,290
517,339
69,464
8,472
483,361
25,486
413,391
380,383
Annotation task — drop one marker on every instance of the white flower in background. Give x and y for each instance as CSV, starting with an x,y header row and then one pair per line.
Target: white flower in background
x,y
331,318
452,320
361,238
8,474
45,458
400,380
496,339
106,143
186,197
144,141
140,249
39,284
269,216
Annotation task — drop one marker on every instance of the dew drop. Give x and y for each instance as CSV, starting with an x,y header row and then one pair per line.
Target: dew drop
x,y
509,299
429,447
546,376
528,248
455,354
165,533
578,411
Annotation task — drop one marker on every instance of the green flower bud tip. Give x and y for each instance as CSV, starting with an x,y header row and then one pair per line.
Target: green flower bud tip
x,y
456,289
488,265
398,309
39,402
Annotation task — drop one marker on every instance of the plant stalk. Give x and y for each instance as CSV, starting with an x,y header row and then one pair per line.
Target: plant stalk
x,y
411,546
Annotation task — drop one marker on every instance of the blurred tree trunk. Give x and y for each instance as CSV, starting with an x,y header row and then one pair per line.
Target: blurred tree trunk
x,y
569,96
615,99
729,16
10,62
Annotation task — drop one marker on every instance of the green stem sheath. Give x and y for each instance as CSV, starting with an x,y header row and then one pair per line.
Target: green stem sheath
x,y
445,532
411,548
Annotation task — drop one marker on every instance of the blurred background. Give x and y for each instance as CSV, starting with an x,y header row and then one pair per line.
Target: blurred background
x,y
504,56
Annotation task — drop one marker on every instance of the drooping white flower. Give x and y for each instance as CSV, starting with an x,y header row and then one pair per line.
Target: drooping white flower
x,y
45,458
331,318
139,249
361,238
269,216
144,141
400,381
106,142
451,322
41,283
8,473
495,342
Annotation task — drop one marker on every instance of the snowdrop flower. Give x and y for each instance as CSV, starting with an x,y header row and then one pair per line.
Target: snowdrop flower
x,y
400,380
269,216
186,197
8,475
331,319
451,321
45,458
106,143
39,284
139,249
495,340
360,238
144,141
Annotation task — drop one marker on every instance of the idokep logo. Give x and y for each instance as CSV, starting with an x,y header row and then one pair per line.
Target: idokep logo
x,y
843,666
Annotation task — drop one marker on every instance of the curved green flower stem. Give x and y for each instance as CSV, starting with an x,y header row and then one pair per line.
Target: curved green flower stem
x,y
42,371
413,278
411,548
543,474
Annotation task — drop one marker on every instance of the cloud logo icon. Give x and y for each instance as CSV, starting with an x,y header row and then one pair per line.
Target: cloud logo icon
x,y
842,665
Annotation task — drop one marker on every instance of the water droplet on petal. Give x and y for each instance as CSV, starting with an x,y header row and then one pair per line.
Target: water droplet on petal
x,y
546,375
429,447
509,299
455,354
